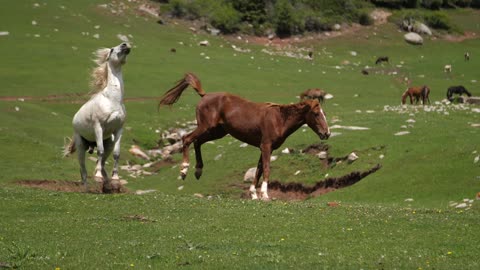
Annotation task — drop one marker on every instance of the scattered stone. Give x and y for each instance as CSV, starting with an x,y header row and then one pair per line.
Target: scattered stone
x,y
198,195
4,33
410,121
273,158
218,157
244,145
461,205
476,159
297,172
286,151
352,157
401,133
348,127
142,192
250,175
322,155
204,43
180,188
413,38
136,151
409,200
381,156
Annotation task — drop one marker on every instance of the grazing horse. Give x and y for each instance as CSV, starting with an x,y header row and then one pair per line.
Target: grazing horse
x,y
418,93
457,90
263,125
381,59
98,123
313,93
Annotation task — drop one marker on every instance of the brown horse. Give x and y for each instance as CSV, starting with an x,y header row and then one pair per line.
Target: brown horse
x,y
417,92
263,125
313,93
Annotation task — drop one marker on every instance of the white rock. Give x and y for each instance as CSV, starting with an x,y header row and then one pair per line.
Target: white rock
x,y
409,200
410,121
141,192
476,159
328,96
322,155
286,151
381,156
250,175
273,158
204,43
180,188
413,38
297,172
218,157
352,157
4,33
244,145
401,133
461,205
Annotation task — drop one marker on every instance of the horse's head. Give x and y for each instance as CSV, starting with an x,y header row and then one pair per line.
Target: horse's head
x,y
118,54
316,119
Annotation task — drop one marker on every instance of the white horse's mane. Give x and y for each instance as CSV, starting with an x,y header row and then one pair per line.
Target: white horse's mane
x,y
100,73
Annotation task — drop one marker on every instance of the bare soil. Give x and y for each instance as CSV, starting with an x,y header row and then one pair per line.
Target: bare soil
x,y
65,186
299,191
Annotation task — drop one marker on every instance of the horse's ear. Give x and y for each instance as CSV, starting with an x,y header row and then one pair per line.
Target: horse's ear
x,y
108,55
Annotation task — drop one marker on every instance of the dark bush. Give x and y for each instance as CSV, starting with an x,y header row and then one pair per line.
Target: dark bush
x,y
432,4
475,3
365,19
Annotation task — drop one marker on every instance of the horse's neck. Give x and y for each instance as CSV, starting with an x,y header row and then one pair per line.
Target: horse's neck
x,y
114,88
293,117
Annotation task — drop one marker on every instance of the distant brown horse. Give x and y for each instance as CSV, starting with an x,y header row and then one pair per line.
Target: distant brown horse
x,y
313,93
417,92
263,125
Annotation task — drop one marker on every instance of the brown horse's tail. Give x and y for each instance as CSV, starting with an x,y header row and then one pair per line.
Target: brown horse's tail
x,y
69,146
404,96
172,95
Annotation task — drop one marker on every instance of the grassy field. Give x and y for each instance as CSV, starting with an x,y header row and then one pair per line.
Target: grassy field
x,y
48,53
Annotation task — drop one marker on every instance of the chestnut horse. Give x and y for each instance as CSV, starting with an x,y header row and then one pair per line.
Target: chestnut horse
x,y
417,92
263,125
313,93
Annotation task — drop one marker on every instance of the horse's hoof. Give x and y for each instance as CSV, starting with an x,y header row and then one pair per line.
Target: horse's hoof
x,y
198,173
115,177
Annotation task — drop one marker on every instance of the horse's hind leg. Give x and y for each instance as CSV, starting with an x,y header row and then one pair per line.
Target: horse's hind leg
x,y
210,135
116,154
108,185
187,140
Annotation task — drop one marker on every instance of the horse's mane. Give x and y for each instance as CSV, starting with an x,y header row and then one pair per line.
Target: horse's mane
x,y
99,74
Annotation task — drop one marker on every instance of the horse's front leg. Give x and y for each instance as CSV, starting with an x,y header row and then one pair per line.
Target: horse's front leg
x,y
258,174
116,154
266,154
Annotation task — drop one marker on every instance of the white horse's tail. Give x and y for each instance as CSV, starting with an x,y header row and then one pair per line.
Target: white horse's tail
x,y
69,146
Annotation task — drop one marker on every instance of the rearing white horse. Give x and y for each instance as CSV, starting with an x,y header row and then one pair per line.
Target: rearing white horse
x,y
99,122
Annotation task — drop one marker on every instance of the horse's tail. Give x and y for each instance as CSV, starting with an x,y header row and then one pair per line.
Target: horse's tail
x,y
172,95
404,96
69,146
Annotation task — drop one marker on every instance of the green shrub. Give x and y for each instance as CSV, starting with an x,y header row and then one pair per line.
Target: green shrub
x,y
438,20
225,18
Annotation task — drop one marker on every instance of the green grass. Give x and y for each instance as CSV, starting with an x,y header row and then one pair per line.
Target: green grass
x,y
373,227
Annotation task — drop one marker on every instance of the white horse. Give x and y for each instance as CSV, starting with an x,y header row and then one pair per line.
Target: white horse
x,y
100,120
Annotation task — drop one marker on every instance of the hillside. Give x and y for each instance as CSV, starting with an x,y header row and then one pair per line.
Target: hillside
x,y
402,215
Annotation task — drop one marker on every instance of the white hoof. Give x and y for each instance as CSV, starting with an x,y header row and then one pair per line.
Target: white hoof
x,y
115,177
265,197
254,196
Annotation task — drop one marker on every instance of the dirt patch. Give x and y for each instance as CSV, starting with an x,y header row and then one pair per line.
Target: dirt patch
x,y
457,38
299,191
65,186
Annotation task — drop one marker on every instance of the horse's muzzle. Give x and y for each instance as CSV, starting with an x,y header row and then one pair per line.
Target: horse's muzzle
x,y
324,136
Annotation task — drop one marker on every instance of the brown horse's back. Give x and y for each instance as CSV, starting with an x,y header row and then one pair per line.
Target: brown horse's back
x,y
241,118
